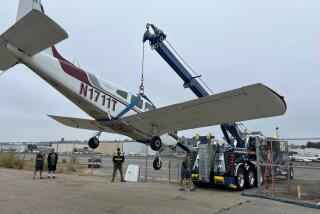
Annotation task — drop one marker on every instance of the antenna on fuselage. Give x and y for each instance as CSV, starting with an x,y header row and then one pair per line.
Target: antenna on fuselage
x,y
76,61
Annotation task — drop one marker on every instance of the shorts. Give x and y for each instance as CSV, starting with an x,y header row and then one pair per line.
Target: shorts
x,y
185,174
52,167
39,167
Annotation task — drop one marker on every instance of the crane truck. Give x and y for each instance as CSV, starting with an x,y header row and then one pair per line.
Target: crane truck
x,y
232,164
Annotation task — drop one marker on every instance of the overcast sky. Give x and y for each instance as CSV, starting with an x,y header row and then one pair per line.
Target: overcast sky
x,y
230,43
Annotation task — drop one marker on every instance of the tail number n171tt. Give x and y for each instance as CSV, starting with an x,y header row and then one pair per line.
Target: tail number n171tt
x,y
95,94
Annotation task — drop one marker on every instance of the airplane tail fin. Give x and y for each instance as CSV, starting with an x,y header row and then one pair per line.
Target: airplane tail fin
x,y
25,6
34,32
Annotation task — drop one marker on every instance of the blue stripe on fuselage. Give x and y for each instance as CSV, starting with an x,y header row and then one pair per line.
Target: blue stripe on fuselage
x,y
130,106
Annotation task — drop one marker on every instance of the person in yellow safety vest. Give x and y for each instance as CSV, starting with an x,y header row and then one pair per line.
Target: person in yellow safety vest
x,y
197,137
209,136
118,159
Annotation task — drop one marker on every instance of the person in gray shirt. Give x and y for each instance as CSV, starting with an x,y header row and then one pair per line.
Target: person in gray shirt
x,y
186,172
39,164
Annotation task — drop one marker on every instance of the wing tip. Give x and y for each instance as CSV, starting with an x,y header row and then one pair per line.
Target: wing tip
x,y
281,98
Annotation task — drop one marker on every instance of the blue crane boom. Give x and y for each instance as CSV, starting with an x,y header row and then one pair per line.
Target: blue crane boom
x,y
156,41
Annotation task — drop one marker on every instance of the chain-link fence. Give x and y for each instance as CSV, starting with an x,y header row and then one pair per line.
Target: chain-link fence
x,y
102,165
289,168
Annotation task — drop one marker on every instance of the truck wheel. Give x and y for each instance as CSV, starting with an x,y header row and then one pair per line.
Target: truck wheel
x,y
250,178
240,179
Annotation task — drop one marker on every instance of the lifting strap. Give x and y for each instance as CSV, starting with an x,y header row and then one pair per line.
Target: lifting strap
x,y
141,88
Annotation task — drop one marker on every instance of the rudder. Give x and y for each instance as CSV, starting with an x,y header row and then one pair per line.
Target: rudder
x,y
25,6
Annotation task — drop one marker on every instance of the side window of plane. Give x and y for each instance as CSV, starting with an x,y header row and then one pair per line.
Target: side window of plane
x,y
122,94
148,107
139,104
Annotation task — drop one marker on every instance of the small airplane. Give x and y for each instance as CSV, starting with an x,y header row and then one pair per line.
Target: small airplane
x,y
305,159
31,41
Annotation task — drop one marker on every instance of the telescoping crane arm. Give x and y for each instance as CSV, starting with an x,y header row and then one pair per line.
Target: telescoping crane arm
x,y
156,41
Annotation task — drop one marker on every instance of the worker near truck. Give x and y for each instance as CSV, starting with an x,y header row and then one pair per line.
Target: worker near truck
x,y
186,172
118,159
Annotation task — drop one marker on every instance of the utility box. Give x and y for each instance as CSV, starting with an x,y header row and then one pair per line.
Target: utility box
x,y
133,173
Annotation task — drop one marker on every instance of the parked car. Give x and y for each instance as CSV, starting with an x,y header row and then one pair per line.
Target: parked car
x,y
94,163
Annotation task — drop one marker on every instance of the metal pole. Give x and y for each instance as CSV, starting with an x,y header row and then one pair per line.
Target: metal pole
x,y
178,170
258,143
92,156
62,140
169,164
24,152
288,166
74,146
272,169
146,173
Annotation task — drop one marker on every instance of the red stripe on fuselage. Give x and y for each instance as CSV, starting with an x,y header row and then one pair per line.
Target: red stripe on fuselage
x,y
71,69
80,74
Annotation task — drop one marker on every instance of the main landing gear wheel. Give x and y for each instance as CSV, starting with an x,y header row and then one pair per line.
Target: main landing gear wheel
x,y
157,163
93,143
156,143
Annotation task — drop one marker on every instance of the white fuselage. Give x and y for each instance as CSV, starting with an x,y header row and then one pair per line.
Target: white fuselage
x,y
99,98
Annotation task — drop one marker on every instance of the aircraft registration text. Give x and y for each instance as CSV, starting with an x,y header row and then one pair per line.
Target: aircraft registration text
x,y
97,96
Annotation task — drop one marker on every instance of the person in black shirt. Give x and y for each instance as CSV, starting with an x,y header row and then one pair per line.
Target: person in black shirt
x,y
52,163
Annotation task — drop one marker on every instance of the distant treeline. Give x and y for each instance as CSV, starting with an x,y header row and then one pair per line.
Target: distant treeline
x,y
315,145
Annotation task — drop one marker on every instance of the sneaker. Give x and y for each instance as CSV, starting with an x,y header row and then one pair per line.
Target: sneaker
x,y
181,189
123,180
191,188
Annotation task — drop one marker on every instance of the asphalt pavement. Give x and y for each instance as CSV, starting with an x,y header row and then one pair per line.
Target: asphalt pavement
x,y
88,194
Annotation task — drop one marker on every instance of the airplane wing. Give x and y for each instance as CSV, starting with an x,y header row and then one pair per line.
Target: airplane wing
x,y
82,124
246,103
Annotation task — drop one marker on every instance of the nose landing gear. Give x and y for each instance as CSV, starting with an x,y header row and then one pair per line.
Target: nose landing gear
x,y
157,163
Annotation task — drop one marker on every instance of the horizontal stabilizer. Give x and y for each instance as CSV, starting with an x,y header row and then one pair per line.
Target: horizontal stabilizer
x,y
82,123
7,59
34,33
